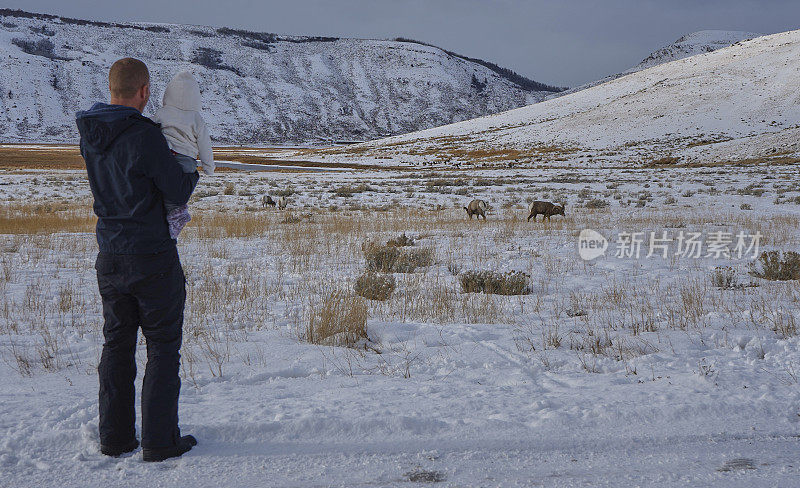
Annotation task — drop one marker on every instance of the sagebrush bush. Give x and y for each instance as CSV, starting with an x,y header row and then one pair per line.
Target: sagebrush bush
x,y
291,219
348,190
596,203
401,241
392,259
667,160
285,192
338,320
724,277
509,283
374,286
229,190
777,266
454,268
412,259
380,258
752,189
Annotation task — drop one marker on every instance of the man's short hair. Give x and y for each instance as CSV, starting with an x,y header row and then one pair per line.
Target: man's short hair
x,y
126,77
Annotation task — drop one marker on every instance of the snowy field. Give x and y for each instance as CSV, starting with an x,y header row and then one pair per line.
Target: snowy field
x,y
659,371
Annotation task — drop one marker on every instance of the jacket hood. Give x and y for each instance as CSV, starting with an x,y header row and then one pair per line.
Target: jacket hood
x,y
183,92
103,123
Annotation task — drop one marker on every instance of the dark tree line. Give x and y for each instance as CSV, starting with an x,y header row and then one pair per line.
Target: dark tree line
x,y
212,58
517,79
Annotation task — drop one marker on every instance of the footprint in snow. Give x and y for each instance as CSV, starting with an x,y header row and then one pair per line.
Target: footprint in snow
x,y
737,464
425,476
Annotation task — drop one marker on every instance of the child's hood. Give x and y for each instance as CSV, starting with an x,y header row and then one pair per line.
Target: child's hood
x,y
183,92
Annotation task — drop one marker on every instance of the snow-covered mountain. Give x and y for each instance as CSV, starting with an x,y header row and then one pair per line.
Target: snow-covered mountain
x,y
692,44
257,87
736,104
689,45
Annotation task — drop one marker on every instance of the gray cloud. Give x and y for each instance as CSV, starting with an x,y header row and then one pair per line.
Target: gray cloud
x,y
563,43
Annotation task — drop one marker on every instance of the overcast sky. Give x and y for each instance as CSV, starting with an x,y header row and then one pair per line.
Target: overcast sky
x,y
559,42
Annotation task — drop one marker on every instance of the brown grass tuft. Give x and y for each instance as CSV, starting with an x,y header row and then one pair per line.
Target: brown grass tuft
x,y
510,283
777,266
338,320
46,218
374,286
392,259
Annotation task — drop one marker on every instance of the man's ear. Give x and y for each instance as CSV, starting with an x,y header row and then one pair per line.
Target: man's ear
x,y
144,93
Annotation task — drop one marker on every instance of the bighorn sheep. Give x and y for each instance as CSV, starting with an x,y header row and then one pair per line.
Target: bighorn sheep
x,y
476,207
282,202
547,209
267,200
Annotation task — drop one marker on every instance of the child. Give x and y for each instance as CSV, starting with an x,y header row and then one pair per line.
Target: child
x,y
187,136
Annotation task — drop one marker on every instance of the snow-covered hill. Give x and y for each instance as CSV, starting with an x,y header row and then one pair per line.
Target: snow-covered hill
x,y
257,87
740,103
692,44
689,45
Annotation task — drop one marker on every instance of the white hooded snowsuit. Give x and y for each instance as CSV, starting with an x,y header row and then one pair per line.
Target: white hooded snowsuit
x,y
181,122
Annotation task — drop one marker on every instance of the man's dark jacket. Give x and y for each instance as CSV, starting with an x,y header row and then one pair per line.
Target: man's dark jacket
x,y
131,172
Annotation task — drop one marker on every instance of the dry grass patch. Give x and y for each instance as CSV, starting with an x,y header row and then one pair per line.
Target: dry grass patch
x,y
220,225
393,259
707,142
337,320
491,154
777,266
492,282
46,218
375,286
596,203
664,161
401,241
271,161
724,277
41,157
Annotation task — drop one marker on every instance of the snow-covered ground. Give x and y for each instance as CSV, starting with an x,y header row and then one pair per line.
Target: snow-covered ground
x,y
736,104
612,372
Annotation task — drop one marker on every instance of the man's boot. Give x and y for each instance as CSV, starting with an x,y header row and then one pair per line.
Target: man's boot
x,y
183,446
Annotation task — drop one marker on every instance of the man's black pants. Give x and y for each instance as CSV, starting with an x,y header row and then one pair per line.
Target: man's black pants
x,y
147,291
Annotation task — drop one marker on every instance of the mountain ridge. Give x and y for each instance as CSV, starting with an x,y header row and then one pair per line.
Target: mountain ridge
x,y
258,87
738,104
691,44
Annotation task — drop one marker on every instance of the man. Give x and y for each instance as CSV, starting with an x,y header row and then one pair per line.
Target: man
x,y
131,172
